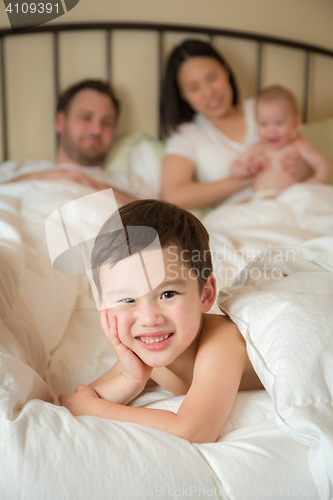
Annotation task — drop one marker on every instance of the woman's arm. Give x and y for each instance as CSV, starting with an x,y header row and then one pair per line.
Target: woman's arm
x,y
179,188
249,163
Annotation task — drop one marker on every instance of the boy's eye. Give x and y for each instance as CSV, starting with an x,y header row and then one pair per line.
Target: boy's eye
x,y
128,300
168,295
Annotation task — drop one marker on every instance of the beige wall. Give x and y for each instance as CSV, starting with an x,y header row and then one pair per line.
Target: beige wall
x,y
303,20
134,64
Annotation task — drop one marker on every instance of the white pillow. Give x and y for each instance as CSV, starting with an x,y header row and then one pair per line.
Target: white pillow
x,y
282,304
145,164
320,134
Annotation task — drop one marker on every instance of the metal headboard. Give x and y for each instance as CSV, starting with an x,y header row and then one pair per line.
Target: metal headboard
x,y
160,29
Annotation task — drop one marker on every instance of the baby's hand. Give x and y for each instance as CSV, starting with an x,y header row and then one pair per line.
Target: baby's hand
x,y
133,368
252,168
246,169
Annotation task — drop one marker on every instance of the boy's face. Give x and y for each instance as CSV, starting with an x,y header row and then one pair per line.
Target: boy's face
x,y
277,124
161,323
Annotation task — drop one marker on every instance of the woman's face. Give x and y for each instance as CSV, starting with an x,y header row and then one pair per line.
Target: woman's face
x,y
204,85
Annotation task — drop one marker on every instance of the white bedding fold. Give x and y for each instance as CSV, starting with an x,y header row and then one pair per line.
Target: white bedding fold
x,y
287,322
50,329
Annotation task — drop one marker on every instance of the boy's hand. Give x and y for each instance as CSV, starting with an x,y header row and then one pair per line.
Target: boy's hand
x,y
79,402
133,368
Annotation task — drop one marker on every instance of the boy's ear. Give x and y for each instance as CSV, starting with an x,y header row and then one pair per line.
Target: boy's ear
x,y
208,294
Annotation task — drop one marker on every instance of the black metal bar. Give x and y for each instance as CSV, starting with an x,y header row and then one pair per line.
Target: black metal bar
x,y
108,55
175,28
259,66
160,78
56,84
56,66
3,102
306,86
160,28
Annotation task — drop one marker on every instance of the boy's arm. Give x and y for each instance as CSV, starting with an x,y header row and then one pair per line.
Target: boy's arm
x,y
320,164
128,377
114,386
219,365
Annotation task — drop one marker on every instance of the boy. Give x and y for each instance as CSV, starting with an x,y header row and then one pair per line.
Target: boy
x,y
278,129
162,332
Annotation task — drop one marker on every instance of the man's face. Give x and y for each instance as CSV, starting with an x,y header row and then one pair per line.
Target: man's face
x,y
86,130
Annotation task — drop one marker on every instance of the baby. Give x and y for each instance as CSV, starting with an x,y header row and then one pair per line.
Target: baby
x,y
278,122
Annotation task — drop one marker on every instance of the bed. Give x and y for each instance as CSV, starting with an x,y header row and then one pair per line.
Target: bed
x,y
275,273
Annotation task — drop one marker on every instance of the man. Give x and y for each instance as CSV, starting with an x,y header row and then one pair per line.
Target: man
x,y
85,123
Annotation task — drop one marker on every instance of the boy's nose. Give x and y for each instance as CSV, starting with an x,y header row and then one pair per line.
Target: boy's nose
x,y
151,316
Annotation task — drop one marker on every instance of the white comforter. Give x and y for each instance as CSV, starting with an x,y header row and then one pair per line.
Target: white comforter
x,y
51,341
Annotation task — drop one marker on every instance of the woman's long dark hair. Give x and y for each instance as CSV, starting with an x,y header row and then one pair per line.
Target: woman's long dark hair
x,y
174,110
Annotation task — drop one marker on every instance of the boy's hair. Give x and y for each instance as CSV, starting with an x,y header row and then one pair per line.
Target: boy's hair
x,y
66,97
279,93
173,225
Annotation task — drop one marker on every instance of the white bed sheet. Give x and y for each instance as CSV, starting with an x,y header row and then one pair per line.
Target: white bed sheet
x,y
51,341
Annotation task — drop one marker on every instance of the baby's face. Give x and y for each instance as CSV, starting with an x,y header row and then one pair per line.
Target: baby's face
x,y
277,124
158,321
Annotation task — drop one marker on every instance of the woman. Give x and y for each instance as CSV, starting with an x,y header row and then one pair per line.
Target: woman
x,y
210,128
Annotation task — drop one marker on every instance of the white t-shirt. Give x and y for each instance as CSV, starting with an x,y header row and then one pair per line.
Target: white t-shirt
x,y
208,148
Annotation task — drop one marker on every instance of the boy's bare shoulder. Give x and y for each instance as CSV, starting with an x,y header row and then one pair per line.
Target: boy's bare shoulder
x,y
217,325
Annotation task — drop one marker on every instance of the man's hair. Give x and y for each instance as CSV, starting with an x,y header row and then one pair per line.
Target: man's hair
x,y
66,97
279,93
173,225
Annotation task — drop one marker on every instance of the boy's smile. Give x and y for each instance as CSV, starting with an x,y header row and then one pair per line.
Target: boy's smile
x,y
159,323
